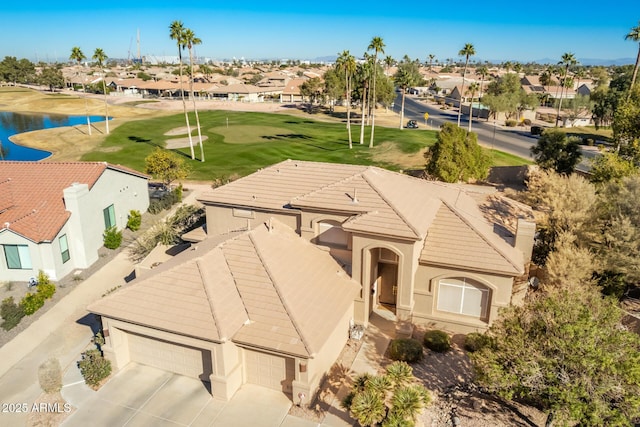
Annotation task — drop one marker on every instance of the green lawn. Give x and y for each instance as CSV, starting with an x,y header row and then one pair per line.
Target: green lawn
x,y
240,143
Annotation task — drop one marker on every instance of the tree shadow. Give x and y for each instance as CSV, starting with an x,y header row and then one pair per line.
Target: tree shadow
x,y
144,140
286,136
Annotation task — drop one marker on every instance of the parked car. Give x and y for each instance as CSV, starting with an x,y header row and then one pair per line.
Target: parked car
x,y
536,130
412,124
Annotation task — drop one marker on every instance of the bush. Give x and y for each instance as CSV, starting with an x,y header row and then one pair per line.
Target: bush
x,y
112,238
178,193
46,290
50,376
476,341
32,302
526,122
165,202
11,312
437,340
405,350
94,367
134,221
510,123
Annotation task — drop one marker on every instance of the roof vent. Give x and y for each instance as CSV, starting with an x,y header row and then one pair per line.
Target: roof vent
x,y
354,199
6,225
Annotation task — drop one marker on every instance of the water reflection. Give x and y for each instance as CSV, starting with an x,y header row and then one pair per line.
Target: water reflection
x,y
15,123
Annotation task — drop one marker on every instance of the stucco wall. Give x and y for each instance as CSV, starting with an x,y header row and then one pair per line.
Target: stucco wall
x,y
426,294
222,219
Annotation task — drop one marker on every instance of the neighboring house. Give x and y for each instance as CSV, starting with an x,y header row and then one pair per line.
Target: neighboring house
x,y
423,249
53,214
261,306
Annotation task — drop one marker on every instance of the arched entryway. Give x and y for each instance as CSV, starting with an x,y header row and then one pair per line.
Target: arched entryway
x,y
385,279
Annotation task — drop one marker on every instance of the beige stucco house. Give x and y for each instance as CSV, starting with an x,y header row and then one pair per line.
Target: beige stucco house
x,y
294,254
423,249
261,306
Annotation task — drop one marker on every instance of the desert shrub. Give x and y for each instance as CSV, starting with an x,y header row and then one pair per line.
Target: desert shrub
x,y
32,302
46,290
178,193
405,350
526,122
50,376
476,341
134,221
94,367
11,313
165,202
510,123
112,238
437,340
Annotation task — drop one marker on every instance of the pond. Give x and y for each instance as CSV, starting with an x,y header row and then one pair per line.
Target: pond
x,y
15,123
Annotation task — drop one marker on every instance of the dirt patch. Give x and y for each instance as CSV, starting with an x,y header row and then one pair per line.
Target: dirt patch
x,y
174,143
48,410
388,152
337,376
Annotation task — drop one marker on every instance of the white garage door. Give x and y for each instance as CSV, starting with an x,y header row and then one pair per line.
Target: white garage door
x,y
168,356
268,370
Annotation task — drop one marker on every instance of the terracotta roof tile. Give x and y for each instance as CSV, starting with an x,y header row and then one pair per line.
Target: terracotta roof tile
x,y
37,209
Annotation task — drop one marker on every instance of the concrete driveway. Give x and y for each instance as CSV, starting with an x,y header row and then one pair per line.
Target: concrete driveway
x,y
143,396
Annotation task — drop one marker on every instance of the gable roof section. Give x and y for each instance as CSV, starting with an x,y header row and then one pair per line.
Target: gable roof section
x,y
274,187
265,288
456,241
37,209
380,202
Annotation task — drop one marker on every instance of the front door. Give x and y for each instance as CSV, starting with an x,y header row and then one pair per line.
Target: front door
x,y
387,283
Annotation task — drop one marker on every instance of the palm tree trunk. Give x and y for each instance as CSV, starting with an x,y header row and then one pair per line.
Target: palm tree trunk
x,y
635,71
471,111
106,104
184,108
364,103
402,108
373,104
195,109
464,75
86,108
349,112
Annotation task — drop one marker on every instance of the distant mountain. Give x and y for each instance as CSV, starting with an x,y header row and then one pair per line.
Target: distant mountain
x,y
591,61
330,58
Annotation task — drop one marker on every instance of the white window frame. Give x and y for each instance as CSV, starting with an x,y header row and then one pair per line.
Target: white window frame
x,y
64,248
465,286
24,257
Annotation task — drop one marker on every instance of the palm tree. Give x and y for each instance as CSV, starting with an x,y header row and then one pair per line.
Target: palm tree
x,y
364,73
377,45
78,56
473,88
431,58
347,63
389,61
406,76
176,32
190,40
567,60
634,36
467,51
99,56
483,72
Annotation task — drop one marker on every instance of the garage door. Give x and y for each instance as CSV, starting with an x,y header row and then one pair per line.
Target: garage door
x,y
169,356
268,370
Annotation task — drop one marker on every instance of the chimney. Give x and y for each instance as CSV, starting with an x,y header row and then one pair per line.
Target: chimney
x,y
525,235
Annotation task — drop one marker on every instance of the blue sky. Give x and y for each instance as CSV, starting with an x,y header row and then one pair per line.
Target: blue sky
x,y
499,30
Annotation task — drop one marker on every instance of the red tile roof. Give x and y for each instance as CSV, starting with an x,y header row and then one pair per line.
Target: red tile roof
x,y
31,197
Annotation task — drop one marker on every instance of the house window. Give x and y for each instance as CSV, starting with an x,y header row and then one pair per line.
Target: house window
x,y
243,213
109,216
64,248
463,296
18,257
331,233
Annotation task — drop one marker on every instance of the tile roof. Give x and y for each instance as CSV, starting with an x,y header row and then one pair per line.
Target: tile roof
x,y
381,202
264,288
31,197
